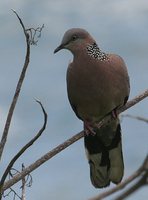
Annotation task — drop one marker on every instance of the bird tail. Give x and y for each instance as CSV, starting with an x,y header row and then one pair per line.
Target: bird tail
x,y
104,153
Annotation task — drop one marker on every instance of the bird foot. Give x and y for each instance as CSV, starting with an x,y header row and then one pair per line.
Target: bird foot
x,y
114,114
88,129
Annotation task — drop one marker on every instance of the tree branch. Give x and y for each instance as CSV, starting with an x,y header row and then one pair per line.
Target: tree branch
x,y
135,187
17,91
24,148
144,167
30,40
23,185
68,142
136,117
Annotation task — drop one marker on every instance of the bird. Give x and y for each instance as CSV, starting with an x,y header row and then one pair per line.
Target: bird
x,y
97,85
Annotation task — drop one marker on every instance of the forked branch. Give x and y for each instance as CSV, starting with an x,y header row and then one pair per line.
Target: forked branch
x,y
29,41
17,91
8,168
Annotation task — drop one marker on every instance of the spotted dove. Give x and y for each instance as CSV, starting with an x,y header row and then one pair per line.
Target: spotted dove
x,y
97,84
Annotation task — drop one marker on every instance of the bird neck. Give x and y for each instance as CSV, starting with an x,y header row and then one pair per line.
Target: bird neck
x,y
94,51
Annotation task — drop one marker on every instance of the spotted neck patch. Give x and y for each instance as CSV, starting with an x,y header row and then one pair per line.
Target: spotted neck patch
x,y
94,51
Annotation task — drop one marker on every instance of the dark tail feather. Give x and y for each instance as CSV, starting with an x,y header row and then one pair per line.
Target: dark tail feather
x,y
104,152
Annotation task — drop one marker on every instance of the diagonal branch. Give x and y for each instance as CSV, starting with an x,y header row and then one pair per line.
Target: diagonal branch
x,y
24,148
136,117
135,187
67,143
17,91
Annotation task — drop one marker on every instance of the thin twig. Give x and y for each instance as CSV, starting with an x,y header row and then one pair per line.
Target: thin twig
x,y
25,147
12,192
136,117
67,143
30,40
26,182
33,34
135,187
23,184
17,91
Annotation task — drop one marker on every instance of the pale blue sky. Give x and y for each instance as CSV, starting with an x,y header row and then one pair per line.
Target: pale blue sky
x,y
118,26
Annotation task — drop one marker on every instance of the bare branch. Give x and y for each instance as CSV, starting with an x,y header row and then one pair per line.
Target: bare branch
x,y
30,39
23,184
34,34
11,191
24,29
26,182
17,91
135,187
67,143
43,159
25,147
136,117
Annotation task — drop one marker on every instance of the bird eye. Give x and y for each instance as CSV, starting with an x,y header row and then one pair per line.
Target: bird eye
x,y
74,37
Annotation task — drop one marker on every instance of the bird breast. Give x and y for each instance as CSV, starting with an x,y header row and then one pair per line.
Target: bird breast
x,y
94,88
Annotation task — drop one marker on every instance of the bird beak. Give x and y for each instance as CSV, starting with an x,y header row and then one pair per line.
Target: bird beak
x,y
59,48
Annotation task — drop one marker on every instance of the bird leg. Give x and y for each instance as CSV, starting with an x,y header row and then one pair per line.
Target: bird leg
x,y
88,128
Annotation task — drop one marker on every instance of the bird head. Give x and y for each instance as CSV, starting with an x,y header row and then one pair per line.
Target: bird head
x,y
74,39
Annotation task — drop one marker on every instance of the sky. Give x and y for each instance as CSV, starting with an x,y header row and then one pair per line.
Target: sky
x,y
119,27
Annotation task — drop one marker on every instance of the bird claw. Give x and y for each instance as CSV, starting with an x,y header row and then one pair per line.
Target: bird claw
x,y
88,129
114,114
